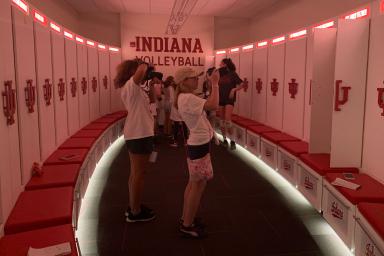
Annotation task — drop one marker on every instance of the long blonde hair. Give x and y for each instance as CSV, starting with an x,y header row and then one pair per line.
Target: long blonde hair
x,y
181,88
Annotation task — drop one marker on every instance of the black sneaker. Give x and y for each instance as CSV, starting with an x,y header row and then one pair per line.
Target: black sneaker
x,y
142,207
198,222
224,143
233,145
192,232
140,217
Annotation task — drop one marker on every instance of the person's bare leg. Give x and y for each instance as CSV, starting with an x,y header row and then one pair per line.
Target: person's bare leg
x,y
222,121
228,110
139,163
193,201
186,196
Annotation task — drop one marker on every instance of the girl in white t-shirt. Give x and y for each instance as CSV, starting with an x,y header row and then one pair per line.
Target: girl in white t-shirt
x,y
138,132
192,111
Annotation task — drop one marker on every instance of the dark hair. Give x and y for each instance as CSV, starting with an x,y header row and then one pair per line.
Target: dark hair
x,y
125,71
228,62
210,70
168,81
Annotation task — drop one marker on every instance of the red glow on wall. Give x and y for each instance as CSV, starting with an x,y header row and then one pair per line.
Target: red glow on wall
x,y
39,17
328,24
221,52
382,6
358,14
68,35
114,49
23,6
55,27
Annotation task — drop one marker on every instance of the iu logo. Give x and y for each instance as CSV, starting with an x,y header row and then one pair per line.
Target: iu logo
x,y
274,86
84,85
293,88
61,86
47,88
370,250
336,212
380,100
268,152
9,102
252,143
259,85
94,84
338,101
73,87
286,165
30,96
105,82
308,184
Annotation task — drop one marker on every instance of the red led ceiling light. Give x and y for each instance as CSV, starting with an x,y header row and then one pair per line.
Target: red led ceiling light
x,y
91,43
363,13
247,47
298,34
102,47
262,44
79,40
21,5
114,49
328,24
278,40
55,27
40,18
221,52
68,35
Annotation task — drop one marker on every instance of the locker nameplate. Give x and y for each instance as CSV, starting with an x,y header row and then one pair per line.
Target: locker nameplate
x,y
30,96
61,87
259,85
345,89
274,86
9,102
380,100
293,88
73,87
47,89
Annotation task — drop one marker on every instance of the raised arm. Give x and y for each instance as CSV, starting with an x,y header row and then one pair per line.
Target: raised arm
x,y
140,73
212,102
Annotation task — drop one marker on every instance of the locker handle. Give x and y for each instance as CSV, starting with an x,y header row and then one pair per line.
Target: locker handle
x,y
61,86
84,85
344,100
30,96
380,100
9,102
105,82
73,87
274,86
47,88
94,84
293,88
259,85
310,92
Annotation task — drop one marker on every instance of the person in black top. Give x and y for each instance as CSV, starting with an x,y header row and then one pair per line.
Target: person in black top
x,y
230,83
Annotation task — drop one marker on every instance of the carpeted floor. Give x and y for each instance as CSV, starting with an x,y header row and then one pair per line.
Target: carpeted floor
x,y
245,214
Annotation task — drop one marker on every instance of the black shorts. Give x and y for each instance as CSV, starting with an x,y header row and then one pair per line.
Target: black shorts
x,y
223,101
197,151
142,146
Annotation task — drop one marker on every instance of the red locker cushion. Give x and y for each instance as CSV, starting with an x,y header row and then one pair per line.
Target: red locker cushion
x,y
107,119
374,214
121,112
78,143
258,129
320,163
55,176
88,134
246,122
296,148
96,126
370,189
40,209
18,244
276,137
67,156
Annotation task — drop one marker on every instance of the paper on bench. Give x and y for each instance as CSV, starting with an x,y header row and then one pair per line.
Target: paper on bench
x,y
346,184
55,250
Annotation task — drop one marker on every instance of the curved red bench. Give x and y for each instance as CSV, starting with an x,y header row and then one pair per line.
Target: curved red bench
x,y
246,122
260,129
374,214
88,134
78,143
320,163
18,244
55,176
96,126
296,148
67,156
39,209
276,137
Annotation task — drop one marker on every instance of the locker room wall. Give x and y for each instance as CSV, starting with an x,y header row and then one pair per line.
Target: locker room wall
x,y
231,31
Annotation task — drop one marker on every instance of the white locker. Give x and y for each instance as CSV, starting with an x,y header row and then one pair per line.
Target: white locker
x,y
260,85
245,71
114,61
26,90
235,57
72,83
349,96
275,87
44,89
59,87
10,173
373,148
105,82
308,89
218,58
322,72
294,87
83,83
94,83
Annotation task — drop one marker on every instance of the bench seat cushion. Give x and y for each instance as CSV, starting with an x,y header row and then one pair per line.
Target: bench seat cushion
x,y
320,163
374,214
296,148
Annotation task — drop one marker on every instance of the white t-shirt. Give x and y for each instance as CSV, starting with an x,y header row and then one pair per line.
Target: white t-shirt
x,y
191,109
174,116
139,122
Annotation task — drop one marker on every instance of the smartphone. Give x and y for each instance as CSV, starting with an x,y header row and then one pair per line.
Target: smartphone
x,y
348,176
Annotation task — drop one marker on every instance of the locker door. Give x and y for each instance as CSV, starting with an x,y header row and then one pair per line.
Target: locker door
x,y
308,88
219,58
260,86
374,109
323,49
275,87
94,83
116,102
26,90
294,87
72,83
105,84
10,173
245,71
349,97
59,87
235,57
44,89
83,84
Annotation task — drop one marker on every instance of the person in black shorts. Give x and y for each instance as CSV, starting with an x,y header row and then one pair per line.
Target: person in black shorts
x,y
230,83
